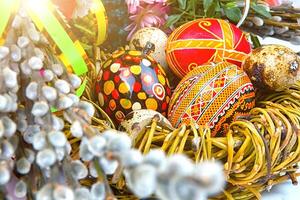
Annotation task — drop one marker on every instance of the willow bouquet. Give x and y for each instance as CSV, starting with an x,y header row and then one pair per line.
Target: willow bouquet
x,y
80,121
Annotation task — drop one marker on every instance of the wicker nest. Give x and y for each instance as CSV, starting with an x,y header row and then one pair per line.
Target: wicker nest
x,y
258,152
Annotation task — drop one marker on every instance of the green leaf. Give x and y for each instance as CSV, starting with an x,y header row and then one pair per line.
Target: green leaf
x,y
231,5
211,11
261,10
192,6
207,4
218,7
182,4
255,41
172,19
233,14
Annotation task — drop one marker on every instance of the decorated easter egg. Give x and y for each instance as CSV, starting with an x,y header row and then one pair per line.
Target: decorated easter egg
x,y
138,119
273,67
213,95
155,36
130,80
205,40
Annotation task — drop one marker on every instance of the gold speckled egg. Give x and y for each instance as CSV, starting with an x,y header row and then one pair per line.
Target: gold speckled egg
x,y
138,119
154,36
273,67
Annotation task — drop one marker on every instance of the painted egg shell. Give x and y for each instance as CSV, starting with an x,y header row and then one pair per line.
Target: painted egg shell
x,y
156,37
131,81
273,67
205,40
213,95
141,118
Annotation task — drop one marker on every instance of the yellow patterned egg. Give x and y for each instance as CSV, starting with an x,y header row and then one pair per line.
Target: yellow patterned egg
x,y
213,95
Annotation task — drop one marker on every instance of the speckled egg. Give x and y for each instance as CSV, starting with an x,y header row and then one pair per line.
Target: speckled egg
x,y
130,80
155,36
138,119
213,95
273,67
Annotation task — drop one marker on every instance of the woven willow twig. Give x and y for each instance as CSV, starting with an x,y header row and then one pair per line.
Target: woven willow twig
x,y
258,152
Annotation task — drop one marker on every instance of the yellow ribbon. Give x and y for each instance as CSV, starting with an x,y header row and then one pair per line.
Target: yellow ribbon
x,y
99,11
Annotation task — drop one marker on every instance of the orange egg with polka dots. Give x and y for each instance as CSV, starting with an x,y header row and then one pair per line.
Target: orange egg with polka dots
x,y
129,81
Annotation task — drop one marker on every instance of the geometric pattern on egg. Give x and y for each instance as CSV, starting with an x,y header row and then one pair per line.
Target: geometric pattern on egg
x,y
213,95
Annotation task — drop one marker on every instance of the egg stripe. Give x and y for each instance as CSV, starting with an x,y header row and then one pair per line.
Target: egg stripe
x,y
176,102
231,96
224,44
239,41
205,47
217,56
230,54
203,23
178,97
234,56
203,87
179,102
216,97
227,35
230,108
231,100
194,44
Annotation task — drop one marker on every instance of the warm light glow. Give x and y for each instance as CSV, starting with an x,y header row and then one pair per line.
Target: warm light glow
x,y
95,6
37,5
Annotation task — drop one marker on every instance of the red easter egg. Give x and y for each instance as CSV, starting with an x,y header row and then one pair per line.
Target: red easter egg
x,y
205,40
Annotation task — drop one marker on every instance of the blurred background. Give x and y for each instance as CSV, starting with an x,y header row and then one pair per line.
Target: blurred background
x,y
270,40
